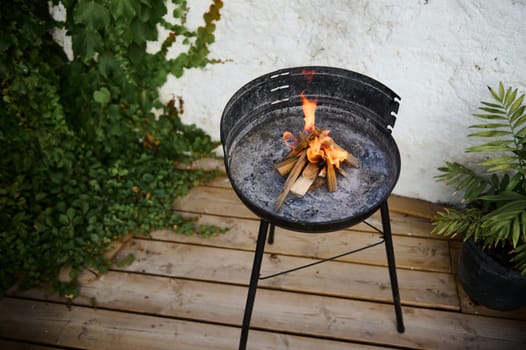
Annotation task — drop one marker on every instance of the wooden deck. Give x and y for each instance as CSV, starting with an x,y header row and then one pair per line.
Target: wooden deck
x,y
187,292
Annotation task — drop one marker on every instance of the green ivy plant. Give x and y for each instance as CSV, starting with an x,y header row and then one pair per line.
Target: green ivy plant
x,y
494,192
83,158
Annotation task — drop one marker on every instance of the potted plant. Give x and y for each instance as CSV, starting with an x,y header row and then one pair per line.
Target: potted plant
x,y
492,221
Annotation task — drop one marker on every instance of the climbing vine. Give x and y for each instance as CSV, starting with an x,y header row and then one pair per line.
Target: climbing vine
x,y
84,158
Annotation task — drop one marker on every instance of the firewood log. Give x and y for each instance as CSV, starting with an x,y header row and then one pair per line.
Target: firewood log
x,y
307,178
293,175
331,178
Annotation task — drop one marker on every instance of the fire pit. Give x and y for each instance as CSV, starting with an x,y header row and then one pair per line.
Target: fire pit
x,y
358,111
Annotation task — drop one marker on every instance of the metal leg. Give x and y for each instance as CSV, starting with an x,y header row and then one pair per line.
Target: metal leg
x,y
256,267
392,266
271,234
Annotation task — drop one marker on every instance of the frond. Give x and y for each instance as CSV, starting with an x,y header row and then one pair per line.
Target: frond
x,y
465,179
505,126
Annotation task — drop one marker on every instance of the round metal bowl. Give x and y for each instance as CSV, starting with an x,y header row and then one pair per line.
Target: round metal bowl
x,y
360,113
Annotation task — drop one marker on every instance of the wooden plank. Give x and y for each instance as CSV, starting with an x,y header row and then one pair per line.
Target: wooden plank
x,y
220,181
103,329
17,345
295,313
330,278
413,206
411,252
207,164
224,202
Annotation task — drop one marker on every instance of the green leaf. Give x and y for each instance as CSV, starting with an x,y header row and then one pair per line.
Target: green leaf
x,y
123,9
493,146
86,43
102,96
504,196
503,167
107,64
510,96
491,133
494,94
516,231
503,214
490,116
518,113
498,161
70,213
515,180
493,105
521,132
493,110
140,32
63,219
488,126
40,196
91,14
516,104
501,92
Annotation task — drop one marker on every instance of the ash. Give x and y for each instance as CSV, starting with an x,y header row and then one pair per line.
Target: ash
x,y
259,145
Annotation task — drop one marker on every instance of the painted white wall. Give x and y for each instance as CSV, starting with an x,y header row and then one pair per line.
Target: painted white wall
x,y
438,55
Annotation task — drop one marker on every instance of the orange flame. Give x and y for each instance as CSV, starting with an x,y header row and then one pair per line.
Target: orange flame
x,y
335,155
309,107
323,148
290,140
314,152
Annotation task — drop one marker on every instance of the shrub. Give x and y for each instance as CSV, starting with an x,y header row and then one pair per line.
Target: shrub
x,y
495,191
84,159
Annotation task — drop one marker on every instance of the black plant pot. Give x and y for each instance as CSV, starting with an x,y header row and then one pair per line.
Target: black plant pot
x,y
488,282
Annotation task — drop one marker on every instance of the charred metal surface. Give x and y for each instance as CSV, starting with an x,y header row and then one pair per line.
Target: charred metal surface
x,y
359,112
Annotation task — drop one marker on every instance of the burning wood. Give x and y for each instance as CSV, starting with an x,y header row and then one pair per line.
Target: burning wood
x,y
314,158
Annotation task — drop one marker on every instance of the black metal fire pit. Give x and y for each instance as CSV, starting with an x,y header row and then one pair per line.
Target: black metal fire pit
x,y
358,111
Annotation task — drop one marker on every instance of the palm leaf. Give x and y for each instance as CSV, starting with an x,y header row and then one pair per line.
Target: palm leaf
x,y
464,178
493,146
489,126
519,258
489,104
504,196
510,97
517,114
500,163
517,122
490,116
515,104
491,133
494,110
512,184
499,96
500,222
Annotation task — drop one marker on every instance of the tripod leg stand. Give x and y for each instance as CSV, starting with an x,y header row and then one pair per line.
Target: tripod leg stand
x,y
256,268
388,237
